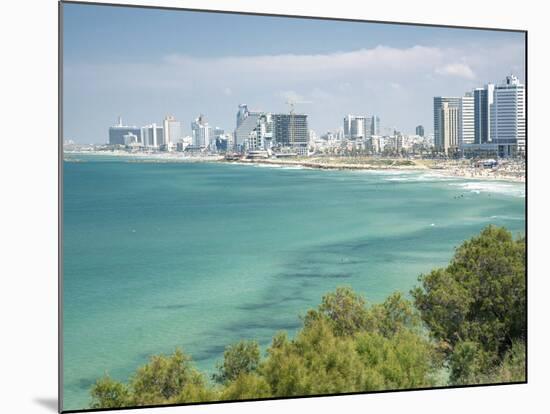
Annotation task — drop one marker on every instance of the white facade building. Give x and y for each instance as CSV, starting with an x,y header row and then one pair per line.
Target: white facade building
x,y
201,132
355,127
508,117
261,136
467,128
152,136
172,131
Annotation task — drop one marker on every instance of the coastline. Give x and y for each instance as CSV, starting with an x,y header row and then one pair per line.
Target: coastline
x,y
444,168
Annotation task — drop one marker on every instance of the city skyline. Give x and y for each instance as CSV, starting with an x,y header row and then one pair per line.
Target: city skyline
x,y
194,63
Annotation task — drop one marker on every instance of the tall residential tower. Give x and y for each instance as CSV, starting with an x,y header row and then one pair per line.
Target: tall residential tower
x,y
508,117
446,139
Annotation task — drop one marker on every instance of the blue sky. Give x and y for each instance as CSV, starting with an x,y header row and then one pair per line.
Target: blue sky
x,y
143,64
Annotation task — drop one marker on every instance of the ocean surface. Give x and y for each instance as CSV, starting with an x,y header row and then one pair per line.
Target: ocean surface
x,y
200,255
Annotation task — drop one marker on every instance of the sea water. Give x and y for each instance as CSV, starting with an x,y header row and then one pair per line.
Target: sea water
x,y
159,255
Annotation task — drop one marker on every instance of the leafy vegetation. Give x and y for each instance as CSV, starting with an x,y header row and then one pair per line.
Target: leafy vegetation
x,y
475,306
467,319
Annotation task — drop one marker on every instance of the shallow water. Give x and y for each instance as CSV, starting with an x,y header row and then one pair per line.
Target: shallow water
x,y
200,255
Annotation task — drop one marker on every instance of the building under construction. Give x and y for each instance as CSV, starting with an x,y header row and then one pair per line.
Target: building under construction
x,y
290,130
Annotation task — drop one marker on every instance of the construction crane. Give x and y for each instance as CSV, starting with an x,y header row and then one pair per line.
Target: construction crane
x,y
291,103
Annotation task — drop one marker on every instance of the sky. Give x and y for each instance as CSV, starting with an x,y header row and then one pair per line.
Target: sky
x,y
144,64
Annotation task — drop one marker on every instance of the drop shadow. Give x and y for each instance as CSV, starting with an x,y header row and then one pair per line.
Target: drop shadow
x,y
49,403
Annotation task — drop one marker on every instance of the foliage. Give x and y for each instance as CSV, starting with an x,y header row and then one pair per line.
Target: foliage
x,y
246,386
241,358
471,365
108,393
344,311
164,379
476,305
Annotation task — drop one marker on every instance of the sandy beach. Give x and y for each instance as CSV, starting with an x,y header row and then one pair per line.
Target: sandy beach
x,y
513,171
462,169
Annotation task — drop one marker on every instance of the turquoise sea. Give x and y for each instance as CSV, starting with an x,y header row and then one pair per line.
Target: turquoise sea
x,y
200,255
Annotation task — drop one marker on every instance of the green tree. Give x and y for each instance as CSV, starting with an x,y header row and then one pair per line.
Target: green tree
x,y
393,315
315,362
344,310
345,347
108,393
241,358
476,305
164,378
246,386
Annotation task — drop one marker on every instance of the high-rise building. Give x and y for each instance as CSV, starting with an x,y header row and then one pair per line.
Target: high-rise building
x,y
507,117
201,132
375,125
439,139
449,119
290,130
152,136
419,131
215,135
466,126
246,122
172,131
260,138
242,113
117,132
355,127
483,102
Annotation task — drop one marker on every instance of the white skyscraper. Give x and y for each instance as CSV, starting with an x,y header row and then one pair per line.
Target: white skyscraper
x,y
152,136
172,131
355,127
508,117
201,132
467,128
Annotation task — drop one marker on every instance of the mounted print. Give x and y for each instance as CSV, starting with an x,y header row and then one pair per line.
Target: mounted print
x,y
265,206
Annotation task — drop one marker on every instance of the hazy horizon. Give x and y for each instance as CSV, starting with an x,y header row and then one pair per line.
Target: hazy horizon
x,y
143,64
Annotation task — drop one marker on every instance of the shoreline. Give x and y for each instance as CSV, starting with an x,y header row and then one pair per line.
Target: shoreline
x,y
443,168
470,174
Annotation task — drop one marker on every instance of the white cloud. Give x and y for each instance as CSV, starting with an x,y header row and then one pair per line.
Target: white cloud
x,y
290,96
381,59
460,70
356,81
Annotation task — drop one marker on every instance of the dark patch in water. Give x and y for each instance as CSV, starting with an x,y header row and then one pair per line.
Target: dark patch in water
x,y
172,307
86,383
316,275
270,303
249,329
209,352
